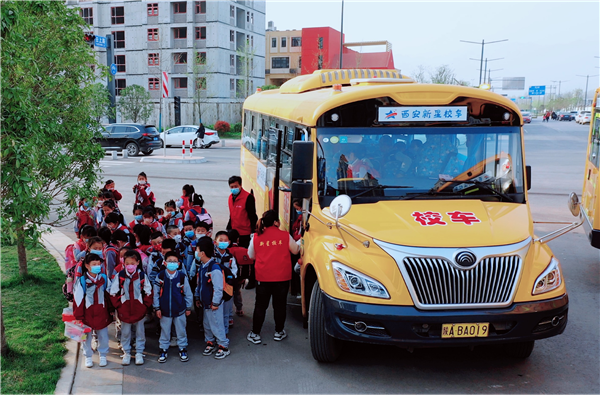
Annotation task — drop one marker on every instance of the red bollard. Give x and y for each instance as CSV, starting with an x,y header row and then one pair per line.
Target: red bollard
x,y
191,147
183,149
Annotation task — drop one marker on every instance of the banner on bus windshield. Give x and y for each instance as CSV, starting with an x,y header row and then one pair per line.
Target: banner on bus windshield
x,y
412,114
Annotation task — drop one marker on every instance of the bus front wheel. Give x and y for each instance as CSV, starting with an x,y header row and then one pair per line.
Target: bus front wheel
x,y
324,347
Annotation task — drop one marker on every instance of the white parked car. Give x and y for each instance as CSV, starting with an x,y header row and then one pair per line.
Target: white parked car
x,y
581,115
177,135
586,118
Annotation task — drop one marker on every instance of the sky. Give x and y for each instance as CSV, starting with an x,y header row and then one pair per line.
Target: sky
x,y
547,41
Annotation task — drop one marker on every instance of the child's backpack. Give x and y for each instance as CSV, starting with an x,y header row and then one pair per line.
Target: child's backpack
x,y
228,281
202,216
67,287
70,260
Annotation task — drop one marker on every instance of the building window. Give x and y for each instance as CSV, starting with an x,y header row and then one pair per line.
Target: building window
x,y
283,42
300,62
201,33
201,58
152,9
117,15
296,41
180,33
180,83
232,60
320,42
119,38
231,36
252,41
153,59
280,63
274,42
232,11
232,84
247,16
153,34
153,84
179,8
252,17
180,58
320,62
200,83
88,15
120,84
120,62
201,7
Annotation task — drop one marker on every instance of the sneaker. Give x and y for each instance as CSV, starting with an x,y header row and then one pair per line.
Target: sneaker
x,y
163,356
126,360
88,362
173,342
279,336
103,361
253,338
139,358
183,357
240,313
222,352
210,348
231,322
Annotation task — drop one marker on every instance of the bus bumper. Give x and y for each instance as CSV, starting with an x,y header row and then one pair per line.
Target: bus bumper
x,y
406,326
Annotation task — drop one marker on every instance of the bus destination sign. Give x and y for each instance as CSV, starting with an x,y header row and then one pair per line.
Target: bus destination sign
x,y
422,114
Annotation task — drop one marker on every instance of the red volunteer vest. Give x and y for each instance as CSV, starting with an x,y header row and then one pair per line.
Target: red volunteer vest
x,y
273,260
238,214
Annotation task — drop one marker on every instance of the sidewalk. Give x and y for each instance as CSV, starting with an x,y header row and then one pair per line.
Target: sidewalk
x,y
75,378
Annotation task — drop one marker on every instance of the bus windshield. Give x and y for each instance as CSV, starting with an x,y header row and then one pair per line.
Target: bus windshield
x,y
372,164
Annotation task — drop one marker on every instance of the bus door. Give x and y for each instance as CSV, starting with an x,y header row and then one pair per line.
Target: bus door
x,y
591,188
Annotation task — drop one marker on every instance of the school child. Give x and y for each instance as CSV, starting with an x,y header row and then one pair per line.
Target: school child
x,y
151,222
81,246
112,251
98,214
90,305
110,186
142,237
84,216
113,222
196,212
209,296
202,229
138,218
160,214
225,258
184,202
174,233
155,256
104,233
245,269
143,194
131,294
172,216
173,301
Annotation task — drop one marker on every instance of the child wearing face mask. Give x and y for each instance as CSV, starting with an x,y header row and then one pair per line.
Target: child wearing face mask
x,y
131,294
85,216
184,202
196,212
202,229
118,240
90,306
110,186
155,256
226,258
81,246
172,216
138,219
151,222
174,233
143,194
173,301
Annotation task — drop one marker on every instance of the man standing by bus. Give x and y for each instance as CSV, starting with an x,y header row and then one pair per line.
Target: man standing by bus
x,y
242,211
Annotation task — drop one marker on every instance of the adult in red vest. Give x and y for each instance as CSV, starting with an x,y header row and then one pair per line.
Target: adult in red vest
x,y
271,247
242,211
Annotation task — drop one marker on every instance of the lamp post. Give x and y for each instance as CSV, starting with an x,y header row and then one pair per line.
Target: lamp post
x,y
560,82
482,46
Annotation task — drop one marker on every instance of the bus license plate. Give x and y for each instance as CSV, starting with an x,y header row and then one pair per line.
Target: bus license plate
x,y
465,330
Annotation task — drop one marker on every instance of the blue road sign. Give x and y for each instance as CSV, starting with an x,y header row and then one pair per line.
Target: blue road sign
x,y
100,42
537,90
514,99
113,69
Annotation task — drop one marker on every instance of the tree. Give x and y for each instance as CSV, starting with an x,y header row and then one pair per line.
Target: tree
x,y
200,73
419,75
442,75
100,102
245,55
135,103
268,87
48,158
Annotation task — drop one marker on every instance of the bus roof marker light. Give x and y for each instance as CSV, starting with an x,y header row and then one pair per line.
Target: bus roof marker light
x,y
335,117
337,88
258,90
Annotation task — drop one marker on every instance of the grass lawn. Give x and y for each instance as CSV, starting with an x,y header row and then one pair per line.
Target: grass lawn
x,y
230,135
32,310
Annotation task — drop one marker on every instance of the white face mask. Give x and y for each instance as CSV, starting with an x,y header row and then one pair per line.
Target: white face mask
x,y
200,235
141,182
177,238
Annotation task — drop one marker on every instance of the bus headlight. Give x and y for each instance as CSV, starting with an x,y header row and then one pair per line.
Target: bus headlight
x,y
353,281
549,279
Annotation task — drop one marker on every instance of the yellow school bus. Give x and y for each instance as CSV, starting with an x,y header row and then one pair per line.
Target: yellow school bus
x,y
590,203
417,228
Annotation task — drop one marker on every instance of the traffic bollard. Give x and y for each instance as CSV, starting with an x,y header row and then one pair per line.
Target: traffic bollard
x,y
114,155
183,149
191,147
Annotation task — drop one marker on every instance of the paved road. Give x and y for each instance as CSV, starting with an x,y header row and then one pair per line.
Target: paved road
x,y
565,364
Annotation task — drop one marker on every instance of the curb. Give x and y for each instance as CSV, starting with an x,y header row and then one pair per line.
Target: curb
x,y
173,159
55,243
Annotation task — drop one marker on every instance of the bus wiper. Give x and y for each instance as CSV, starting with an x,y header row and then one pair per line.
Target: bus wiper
x,y
380,187
488,187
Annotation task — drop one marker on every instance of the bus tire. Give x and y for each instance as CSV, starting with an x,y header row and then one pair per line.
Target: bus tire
x,y
324,348
519,350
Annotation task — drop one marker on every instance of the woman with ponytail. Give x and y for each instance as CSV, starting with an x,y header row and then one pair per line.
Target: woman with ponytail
x,y
271,248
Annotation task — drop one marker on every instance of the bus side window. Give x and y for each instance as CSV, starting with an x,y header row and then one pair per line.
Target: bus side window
x,y
595,143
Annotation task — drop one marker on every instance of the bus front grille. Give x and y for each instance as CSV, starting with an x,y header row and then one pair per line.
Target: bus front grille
x,y
436,282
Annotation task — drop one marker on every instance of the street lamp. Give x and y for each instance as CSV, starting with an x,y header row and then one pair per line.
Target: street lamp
x,y
482,45
560,82
485,67
490,75
587,79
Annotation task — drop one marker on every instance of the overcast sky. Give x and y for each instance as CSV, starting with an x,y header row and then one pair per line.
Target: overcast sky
x,y
546,40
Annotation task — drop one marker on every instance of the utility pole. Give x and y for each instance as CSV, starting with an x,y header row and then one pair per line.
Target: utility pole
x,y
560,82
490,75
587,79
485,67
342,36
110,83
482,46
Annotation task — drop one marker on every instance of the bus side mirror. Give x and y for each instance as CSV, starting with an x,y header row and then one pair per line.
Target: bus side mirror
x,y
302,190
528,175
302,162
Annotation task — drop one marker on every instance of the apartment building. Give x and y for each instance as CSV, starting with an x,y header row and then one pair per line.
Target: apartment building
x,y
295,52
198,43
